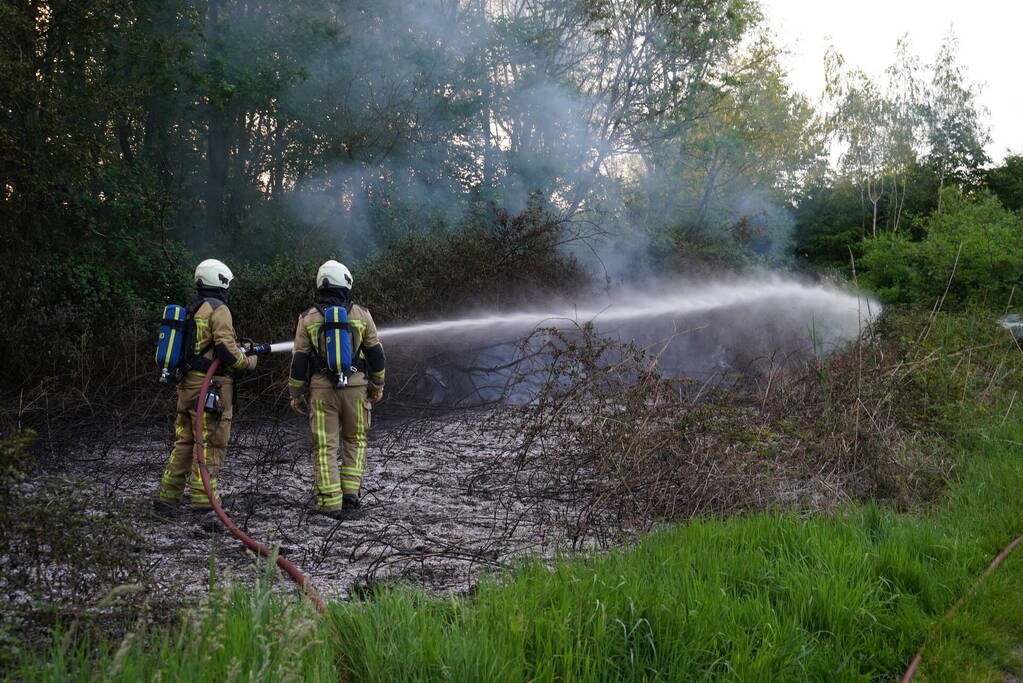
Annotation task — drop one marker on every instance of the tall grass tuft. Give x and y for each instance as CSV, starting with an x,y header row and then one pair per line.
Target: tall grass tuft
x,y
237,634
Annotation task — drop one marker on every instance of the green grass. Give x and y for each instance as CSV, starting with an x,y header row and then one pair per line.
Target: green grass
x,y
845,597
239,634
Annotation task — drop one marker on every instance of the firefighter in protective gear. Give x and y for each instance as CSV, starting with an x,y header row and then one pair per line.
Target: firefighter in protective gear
x,y
338,417
214,337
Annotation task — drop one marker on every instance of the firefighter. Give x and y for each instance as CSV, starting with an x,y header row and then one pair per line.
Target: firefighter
x,y
338,416
214,337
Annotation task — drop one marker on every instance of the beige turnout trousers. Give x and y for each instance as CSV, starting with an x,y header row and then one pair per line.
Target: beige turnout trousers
x,y
338,417
216,433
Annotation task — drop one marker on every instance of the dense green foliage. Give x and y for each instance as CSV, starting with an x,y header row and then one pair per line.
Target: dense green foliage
x,y
963,238
973,247
833,215
1006,181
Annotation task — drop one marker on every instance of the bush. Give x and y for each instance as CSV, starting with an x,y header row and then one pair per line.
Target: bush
x,y
1006,181
71,312
976,243
496,259
100,331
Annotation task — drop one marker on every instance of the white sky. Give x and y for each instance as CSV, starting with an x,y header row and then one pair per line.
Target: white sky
x,y
865,31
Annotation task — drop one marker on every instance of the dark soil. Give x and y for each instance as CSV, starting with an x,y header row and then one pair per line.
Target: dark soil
x,y
442,501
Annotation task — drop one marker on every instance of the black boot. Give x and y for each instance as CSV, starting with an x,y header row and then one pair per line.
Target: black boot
x,y
333,513
163,508
350,504
207,520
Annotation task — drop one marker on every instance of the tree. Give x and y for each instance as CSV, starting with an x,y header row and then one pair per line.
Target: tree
x,y
954,130
740,164
859,122
1006,182
903,143
581,84
881,129
903,125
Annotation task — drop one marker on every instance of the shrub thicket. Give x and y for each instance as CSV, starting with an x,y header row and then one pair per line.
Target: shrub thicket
x,y
95,317
972,247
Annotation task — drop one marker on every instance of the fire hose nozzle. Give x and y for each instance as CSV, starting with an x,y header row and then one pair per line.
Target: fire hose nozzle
x,y
258,350
266,349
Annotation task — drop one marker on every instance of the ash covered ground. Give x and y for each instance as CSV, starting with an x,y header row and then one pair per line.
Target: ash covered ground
x,y
449,494
443,500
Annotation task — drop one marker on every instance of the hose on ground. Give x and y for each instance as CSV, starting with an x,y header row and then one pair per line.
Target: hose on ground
x,y
200,454
914,666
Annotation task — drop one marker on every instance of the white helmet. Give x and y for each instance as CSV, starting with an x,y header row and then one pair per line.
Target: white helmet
x,y
213,273
334,274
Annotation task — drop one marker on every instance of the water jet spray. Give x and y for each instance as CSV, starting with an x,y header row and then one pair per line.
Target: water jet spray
x,y
704,328
677,301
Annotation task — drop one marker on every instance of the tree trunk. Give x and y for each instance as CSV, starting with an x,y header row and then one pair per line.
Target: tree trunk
x,y
124,140
941,187
900,204
216,138
874,199
488,162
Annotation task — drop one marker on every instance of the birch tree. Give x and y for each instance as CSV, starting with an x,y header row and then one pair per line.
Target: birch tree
x,y
955,131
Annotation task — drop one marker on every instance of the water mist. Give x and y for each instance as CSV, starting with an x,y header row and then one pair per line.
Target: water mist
x,y
696,329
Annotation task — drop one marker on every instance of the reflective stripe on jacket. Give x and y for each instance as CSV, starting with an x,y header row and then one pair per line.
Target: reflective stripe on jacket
x,y
215,336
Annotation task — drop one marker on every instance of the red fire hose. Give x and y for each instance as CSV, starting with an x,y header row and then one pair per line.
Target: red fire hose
x,y
914,666
200,455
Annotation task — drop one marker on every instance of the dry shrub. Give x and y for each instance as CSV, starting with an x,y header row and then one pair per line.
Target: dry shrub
x,y
608,429
65,554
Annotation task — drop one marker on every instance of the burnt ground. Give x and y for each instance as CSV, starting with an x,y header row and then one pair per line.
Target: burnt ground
x,y
448,495
443,501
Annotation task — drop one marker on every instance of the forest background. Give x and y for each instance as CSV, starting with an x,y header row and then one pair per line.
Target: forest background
x,y
461,153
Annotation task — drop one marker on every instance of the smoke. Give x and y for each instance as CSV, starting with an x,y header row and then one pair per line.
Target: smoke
x,y
363,207
623,116
427,110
